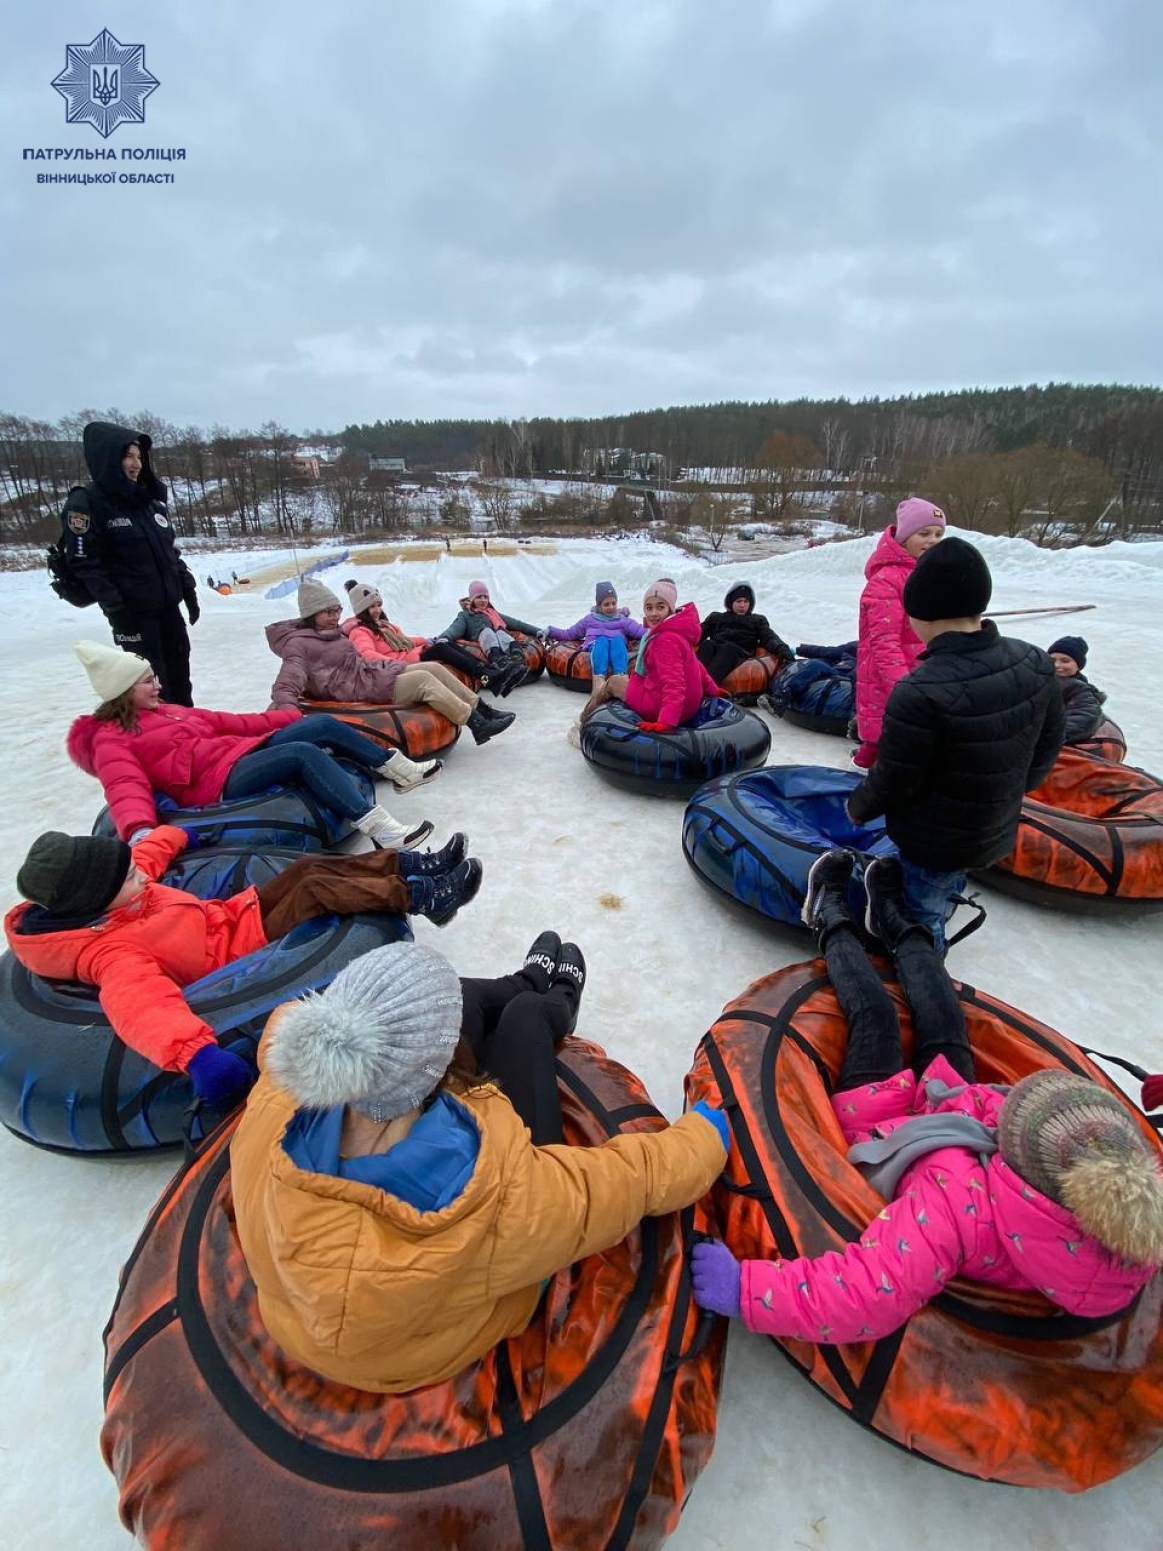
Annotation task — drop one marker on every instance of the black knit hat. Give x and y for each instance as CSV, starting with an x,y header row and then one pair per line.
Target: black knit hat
x,y
1071,646
950,581
74,875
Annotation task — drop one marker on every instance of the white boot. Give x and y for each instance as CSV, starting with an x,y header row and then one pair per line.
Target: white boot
x,y
405,773
383,830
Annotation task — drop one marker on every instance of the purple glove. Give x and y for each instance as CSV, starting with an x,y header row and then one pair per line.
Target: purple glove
x,y
217,1074
716,1278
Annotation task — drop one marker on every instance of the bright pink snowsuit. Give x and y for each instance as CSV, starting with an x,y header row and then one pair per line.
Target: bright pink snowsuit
x,y
675,683
887,648
952,1216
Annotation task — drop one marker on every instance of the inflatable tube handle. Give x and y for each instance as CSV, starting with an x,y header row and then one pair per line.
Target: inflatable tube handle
x,y
1137,1072
707,1317
189,1146
970,926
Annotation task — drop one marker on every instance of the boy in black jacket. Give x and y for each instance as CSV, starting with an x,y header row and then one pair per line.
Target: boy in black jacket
x,y
1082,700
736,633
976,725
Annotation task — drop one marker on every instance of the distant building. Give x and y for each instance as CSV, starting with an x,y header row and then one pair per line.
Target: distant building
x,y
387,466
304,466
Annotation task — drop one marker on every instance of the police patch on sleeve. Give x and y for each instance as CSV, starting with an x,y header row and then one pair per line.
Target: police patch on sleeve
x,y
161,519
78,522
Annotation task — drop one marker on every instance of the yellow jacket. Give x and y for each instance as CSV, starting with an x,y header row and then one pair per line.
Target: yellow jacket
x,y
368,1291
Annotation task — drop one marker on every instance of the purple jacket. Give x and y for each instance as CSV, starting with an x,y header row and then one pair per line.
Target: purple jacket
x,y
593,626
324,665
952,1215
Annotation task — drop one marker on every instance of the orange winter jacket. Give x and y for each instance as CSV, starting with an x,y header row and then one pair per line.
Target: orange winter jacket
x,y
139,957
369,1291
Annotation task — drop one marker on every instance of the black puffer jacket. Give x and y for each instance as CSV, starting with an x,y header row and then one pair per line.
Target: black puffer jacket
x,y
1083,708
975,725
117,533
746,631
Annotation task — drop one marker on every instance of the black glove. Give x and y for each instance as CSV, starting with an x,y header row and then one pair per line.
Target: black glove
x,y
192,606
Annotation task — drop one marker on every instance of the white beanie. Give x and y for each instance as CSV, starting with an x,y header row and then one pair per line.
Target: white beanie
x,y
111,671
313,598
361,596
380,1037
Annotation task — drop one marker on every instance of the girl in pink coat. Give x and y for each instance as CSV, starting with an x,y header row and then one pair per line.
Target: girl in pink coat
x,y
668,683
1049,1185
888,649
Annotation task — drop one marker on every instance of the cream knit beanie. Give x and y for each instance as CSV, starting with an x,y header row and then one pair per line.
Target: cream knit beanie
x,y
111,671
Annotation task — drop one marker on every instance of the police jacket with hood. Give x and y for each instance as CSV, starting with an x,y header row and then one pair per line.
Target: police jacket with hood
x,y
117,533
749,632
976,725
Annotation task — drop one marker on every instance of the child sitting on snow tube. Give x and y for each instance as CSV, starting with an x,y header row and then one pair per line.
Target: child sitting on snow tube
x,y
136,746
737,633
320,663
603,632
668,683
97,914
375,637
397,1215
1082,700
491,630
1044,1186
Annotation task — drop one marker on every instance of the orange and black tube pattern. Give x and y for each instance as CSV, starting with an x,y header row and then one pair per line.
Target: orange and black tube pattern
x,y
417,730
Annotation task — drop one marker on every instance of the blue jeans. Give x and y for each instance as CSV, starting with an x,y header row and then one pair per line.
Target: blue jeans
x,y
608,654
929,897
296,756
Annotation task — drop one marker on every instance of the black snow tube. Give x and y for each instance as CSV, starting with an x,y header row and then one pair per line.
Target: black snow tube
x,y
722,739
287,816
815,694
68,1083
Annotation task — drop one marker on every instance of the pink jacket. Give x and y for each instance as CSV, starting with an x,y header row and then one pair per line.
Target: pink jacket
x,y
675,683
323,665
888,649
370,644
186,754
952,1216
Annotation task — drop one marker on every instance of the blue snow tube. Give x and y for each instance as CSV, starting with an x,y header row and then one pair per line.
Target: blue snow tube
x,y
287,816
721,739
751,838
68,1083
815,694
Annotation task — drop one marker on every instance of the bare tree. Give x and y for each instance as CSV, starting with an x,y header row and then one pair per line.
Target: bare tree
x,y
785,464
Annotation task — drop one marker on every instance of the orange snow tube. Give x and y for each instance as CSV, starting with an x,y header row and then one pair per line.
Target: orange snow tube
x,y
991,1383
586,1431
1108,742
752,678
530,645
1090,838
418,730
568,664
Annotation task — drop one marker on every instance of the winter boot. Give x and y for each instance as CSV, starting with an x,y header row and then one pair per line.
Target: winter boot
x,y
515,672
383,830
885,917
491,714
826,901
433,864
440,898
405,773
540,964
570,976
484,727
502,673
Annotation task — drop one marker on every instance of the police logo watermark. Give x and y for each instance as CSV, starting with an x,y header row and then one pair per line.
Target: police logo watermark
x,y
105,83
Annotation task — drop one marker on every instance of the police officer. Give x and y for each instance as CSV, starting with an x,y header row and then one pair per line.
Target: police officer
x,y
121,546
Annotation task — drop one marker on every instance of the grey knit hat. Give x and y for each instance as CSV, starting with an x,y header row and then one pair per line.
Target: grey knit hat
x,y
313,598
74,875
602,591
380,1037
361,597
1079,1144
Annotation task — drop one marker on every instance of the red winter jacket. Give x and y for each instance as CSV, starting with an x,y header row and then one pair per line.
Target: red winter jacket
x,y
675,682
139,957
184,753
888,649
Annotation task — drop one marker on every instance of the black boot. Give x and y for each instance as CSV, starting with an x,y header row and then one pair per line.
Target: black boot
x,y
513,674
826,900
431,864
885,917
499,671
491,714
483,727
540,964
570,979
440,898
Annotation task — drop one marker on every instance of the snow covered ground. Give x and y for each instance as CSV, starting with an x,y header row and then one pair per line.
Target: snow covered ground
x,y
562,849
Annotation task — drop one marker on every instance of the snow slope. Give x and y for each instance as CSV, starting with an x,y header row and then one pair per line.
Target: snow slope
x,y
562,849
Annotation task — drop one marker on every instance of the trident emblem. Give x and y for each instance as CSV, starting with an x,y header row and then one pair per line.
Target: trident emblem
x,y
106,85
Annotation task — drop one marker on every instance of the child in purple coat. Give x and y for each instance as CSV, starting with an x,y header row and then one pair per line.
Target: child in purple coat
x,y
603,632
1049,1185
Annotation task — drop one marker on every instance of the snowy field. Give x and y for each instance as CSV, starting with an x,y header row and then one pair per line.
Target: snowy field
x,y
562,849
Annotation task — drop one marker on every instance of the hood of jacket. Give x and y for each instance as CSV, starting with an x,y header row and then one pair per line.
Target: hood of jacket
x,y
740,590
685,622
79,743
284,631
104,446
887,553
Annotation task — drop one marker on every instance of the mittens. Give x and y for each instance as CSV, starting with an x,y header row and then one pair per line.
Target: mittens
x,y
217,1074
1153,1092
655,727
716,1278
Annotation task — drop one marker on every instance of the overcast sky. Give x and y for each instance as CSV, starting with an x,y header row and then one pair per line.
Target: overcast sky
x,y
513,207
